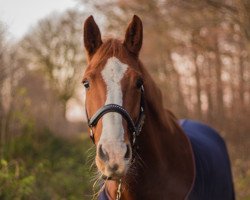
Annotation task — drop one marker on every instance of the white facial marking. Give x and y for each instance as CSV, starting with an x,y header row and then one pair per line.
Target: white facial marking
x,y
112,136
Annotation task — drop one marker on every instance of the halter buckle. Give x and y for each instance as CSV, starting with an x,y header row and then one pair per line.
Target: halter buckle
x,y
142,88
140,125
134,137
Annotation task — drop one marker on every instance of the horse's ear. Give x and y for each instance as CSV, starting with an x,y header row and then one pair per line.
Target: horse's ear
x,y
91,36
134,36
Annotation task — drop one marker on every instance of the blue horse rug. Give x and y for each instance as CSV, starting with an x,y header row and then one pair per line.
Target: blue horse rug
x,y
213,179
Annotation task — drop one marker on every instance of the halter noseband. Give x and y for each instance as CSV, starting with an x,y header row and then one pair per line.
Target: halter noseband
x,y
134,128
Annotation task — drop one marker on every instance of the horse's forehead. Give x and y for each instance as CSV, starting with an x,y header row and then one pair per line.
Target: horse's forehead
x,y
114,70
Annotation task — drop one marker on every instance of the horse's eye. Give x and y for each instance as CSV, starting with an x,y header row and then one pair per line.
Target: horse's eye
x,y
86,84
139,83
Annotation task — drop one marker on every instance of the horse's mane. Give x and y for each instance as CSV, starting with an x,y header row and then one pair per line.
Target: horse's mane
x,y
155,100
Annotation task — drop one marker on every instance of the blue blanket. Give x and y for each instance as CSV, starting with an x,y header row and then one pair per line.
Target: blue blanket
x,y
213,172
213,179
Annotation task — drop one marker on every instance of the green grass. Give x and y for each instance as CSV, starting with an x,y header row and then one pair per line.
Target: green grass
x,y
42,166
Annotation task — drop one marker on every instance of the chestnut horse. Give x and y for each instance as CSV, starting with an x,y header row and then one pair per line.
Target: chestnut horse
x,y
162,158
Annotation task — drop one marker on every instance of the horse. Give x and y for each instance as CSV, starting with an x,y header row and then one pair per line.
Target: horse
x,y
142,151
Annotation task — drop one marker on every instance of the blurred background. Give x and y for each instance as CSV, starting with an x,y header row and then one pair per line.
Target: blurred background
x,y
196,50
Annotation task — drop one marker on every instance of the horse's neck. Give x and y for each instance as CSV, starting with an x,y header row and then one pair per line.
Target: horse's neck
x,y
164,162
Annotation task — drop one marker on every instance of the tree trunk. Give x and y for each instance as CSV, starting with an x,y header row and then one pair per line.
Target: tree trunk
x,y
198,86
219,87
210,108
182,110
241,83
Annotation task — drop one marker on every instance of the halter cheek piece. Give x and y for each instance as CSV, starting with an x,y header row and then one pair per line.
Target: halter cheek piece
x,y
134,128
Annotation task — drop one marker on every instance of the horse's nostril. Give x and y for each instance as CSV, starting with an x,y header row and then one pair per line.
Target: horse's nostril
x,y
103,155
113,168
127,154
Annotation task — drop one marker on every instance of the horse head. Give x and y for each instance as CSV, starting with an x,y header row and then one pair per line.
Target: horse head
x,y
114,96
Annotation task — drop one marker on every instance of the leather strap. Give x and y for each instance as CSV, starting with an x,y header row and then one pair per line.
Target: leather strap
x,y
134,128
112,108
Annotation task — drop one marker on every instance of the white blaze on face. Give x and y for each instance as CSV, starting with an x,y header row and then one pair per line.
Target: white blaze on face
x,y
112,137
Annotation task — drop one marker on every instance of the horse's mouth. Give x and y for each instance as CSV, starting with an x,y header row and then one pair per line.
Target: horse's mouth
x,y
113,177
104,177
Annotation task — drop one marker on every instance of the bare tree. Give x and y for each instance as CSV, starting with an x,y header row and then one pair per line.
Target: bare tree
x,y
53,47
2,78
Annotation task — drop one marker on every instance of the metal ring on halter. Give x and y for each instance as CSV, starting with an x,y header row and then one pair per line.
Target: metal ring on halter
x,y
92,134
119,191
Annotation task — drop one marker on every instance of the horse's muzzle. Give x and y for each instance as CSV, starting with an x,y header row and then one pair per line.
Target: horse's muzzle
x,y
113,162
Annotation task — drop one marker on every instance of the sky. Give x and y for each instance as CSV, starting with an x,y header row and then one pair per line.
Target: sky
x,y
20,15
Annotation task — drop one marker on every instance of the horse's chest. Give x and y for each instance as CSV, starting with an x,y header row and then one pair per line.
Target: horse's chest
x,y
159,186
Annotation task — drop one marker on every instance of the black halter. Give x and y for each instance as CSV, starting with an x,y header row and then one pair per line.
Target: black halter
x,y
134,128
